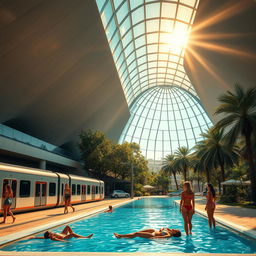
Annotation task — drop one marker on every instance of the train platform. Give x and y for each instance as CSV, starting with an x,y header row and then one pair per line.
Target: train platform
x,y
37,221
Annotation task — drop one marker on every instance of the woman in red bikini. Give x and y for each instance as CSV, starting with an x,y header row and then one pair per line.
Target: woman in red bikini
x,y
210,204
187,206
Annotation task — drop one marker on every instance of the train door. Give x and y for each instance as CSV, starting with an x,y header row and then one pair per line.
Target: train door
x,y
101,191
40,196
83,197
93,192
13,184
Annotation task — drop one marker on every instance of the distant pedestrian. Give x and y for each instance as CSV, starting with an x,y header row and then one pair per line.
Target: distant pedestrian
x,y
7,202
110,209
67,199
210,204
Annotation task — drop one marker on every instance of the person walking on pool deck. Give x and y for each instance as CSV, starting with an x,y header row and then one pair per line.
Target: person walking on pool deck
x,y
210,204
152,233
7,202
66,233
187,206
67,198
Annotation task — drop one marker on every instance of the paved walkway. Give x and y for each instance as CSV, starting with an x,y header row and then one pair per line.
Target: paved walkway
x,y
239,215
51,218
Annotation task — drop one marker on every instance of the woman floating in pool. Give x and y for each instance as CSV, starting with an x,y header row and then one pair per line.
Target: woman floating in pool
x,y
210,204
187,206
67,198
67,233
7,202
152,233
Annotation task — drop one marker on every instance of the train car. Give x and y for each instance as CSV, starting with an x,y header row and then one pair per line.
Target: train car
x,y
39,189
86,189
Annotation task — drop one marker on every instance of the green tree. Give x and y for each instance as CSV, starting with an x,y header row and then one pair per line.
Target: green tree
x,y
95,149
217,153
239,109
162,182
182,160
200,149
198,168
170,168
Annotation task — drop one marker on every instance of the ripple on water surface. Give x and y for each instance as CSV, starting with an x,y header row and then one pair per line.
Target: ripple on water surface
x,y
142,214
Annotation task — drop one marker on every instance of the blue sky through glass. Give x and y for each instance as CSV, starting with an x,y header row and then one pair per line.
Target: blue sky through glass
x,y
148,39
163,119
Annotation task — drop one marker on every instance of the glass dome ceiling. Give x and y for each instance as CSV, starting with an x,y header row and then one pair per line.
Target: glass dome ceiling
x,y
163,119
148,39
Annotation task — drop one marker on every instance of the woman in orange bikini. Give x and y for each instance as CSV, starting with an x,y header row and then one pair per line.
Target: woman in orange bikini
x,y
210,204
187,206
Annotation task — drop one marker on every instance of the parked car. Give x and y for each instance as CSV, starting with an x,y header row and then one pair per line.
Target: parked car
x,y
119,193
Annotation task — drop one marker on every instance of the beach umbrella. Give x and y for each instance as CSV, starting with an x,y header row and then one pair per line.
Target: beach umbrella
x,y
148,187
231,182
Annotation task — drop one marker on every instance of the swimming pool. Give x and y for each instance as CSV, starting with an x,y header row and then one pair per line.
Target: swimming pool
x,y
137,215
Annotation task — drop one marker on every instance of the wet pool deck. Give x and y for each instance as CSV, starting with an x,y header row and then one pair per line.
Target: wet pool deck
x,y
239,218
242,219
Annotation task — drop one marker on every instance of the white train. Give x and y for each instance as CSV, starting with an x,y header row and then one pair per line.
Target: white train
x,y
39,189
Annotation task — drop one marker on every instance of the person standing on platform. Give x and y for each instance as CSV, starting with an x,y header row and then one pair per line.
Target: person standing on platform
x,y
67,199
7,202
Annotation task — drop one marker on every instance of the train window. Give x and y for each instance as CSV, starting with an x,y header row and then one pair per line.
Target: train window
x,y
97,188
25,188
73,189
52,189
78,189
62,189
88,190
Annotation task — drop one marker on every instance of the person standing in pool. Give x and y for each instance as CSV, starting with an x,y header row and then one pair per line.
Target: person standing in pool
x,y
7,202
66,233
210,204
187,206
152,233
110,209
67,198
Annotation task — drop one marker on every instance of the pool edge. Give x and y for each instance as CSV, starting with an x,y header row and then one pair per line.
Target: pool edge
x,y
28,232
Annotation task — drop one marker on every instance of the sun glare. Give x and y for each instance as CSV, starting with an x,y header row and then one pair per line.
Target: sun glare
x,y
179,38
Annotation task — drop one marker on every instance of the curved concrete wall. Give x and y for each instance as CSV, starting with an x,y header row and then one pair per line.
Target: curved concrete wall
x,y
57,74
213,71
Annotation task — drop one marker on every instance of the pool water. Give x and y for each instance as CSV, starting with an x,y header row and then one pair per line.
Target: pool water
x,y
138,215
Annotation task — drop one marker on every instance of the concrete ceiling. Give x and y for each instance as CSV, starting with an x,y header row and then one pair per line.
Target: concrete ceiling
x,y
57,74
222,49
58,77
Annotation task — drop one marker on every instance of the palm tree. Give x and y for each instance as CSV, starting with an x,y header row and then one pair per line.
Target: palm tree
x,y
217,153
182,160
239,108
169,168
200,150
198,168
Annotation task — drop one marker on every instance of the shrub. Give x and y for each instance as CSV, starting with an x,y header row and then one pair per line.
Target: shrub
x,y
138,193
230,196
